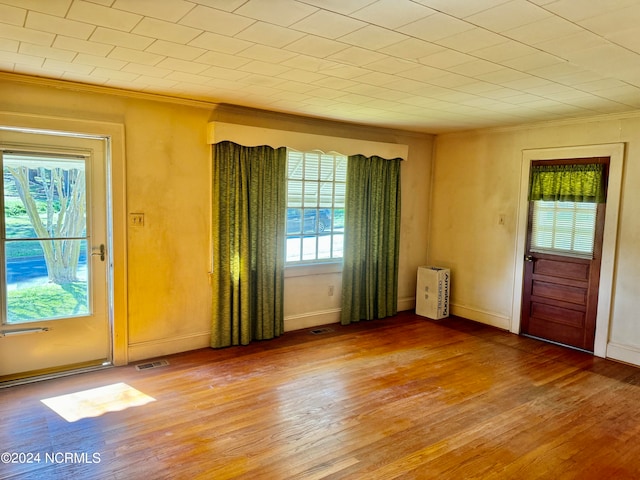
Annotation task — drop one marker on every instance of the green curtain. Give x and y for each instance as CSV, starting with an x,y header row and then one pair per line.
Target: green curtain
x,y
249,207
568,183
372,233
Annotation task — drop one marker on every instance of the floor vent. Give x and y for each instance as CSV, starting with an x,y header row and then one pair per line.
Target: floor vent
x,y
156,364
320,331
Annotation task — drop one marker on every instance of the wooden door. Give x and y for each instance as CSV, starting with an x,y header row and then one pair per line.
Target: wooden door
x,y
560,294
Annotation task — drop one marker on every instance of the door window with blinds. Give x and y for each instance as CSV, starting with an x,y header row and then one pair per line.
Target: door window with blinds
x,y
563,228
316,185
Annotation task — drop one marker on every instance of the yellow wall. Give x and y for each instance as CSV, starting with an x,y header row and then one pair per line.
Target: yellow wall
x,y
477,178
167,178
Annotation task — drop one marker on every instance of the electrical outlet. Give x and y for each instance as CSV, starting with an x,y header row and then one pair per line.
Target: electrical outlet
x,y
136,219
331,290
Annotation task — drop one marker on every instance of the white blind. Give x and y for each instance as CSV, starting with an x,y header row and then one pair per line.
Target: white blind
x,y
564,228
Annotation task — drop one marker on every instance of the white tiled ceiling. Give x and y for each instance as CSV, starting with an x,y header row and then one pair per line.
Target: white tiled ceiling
x,y
423,65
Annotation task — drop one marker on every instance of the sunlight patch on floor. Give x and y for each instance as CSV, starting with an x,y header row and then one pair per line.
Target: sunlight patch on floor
x,y
97,401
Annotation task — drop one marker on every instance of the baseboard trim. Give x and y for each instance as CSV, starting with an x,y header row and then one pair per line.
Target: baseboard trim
x,y
168,346
623,353
312,319
489,318
406,303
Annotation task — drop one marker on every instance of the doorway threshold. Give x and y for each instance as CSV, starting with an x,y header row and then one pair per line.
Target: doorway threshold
x,y
50,374
556,343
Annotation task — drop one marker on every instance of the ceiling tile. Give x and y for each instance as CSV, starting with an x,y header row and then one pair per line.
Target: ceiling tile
x,y
435,27
626,38
392,65
46,52
154,82
339,6
508,16
505,51
187,77
475,68
216,21
152,27
53,24
356,56
344,71
12,15
264,69
146,70
169,10
182,65
316,46
613,20
461,8
102,62
222,60
84,46
563,46
175,50
328,24
267,34
278,12
9,45
223,73
574,11
423,73
532,61
392,13
605,58
52,7
303,76
26,35
446,59
377,78
471,40
20,58
542,30
122,39
267,54
103,16
219,43
373,37
412,49
67,66
308,63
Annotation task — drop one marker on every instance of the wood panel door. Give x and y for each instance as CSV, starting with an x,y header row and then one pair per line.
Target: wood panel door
x,y
560,292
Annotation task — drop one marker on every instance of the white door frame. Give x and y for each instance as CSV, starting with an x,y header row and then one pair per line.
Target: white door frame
x,y
615,151
113,133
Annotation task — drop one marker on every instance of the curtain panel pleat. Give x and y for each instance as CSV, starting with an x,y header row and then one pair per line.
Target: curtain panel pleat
x,y
568,183
371,244
249,206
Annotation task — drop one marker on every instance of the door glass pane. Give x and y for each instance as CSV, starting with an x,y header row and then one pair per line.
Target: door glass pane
x,y
563,228
46,245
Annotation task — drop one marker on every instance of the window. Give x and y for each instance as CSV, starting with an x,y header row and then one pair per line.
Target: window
x,y
316,184
564,228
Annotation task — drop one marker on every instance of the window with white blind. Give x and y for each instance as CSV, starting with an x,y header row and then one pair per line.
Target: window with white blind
x,y
316,185
563,228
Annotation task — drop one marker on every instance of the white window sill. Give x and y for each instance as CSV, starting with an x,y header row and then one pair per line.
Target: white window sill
x,y
312,269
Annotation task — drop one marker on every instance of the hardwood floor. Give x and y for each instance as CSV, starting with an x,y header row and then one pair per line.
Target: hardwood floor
x,y
404,397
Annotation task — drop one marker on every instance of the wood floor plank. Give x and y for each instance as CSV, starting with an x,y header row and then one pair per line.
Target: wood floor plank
x,y
403,397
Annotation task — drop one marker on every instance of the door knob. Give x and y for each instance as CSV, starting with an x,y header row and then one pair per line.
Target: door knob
x,y
99,252
528,258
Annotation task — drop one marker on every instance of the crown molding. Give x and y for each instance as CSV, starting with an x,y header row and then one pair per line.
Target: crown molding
x,y
121,92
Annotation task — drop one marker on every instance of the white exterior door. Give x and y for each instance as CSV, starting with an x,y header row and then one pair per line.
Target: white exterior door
x,y
54,260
